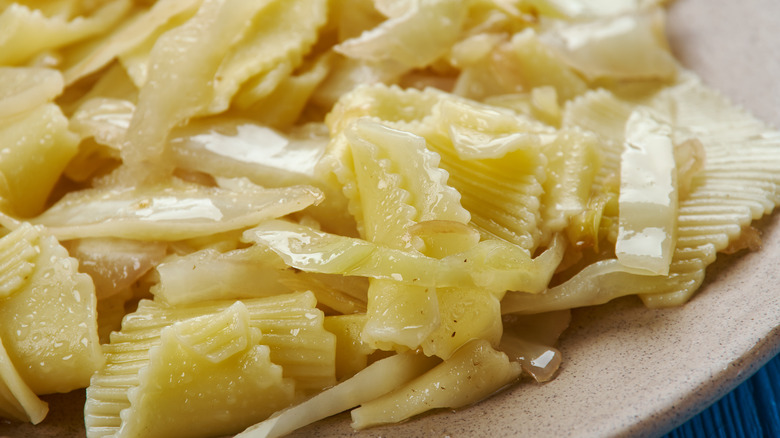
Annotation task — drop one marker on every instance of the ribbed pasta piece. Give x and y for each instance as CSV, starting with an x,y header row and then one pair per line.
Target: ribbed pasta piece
x,y
25,88
26,32
600,112
295,90
399,183
573,161
292,331
750,181
280,34
502,194
208,376
722,201
501,191
351,352
49,326
37,146
18,254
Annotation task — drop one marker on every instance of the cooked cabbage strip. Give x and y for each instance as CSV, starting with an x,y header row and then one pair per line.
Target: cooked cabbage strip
x,y
417,37
375,380
295,90
491,265
183,65
248,273
520,64
17,400
648,199
127,36
626,47
171,212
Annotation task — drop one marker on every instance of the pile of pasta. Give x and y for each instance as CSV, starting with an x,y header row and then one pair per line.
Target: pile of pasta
x,y
248,215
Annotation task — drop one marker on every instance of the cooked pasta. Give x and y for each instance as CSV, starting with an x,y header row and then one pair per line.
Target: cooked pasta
x,y
232,216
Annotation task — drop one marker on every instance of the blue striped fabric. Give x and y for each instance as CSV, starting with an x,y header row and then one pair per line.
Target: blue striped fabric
x,y
750,411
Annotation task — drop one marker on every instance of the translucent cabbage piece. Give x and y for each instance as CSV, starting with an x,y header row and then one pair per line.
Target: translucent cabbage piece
x,y
648,196
104,119
624,47
474,372
17,400
579,9
241,148
423,32
127,36
115,264
37,146
136,60
232,148
482,131
49,325
23,88
520,64
250,272
377,379
25,32
171,212
207,377
183,64
492,265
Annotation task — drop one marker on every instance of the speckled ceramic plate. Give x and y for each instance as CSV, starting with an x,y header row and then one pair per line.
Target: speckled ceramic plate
x,y
629,371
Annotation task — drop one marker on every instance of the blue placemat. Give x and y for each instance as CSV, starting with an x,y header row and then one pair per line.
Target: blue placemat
x,y
751,410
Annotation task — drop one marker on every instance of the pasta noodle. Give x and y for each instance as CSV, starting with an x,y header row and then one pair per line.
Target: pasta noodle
x,y
232,216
